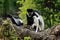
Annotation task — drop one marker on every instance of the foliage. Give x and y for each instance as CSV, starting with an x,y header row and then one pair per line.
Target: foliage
x,y
7,7
26,38
8,31
49,10
1,7
25,4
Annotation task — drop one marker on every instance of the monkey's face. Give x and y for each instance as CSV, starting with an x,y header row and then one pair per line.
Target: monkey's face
x,y
29,14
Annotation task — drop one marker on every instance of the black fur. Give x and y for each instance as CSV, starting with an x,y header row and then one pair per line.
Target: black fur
x,y
35,20
30,20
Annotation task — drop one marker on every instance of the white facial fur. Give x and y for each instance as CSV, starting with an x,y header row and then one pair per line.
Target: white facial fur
x,y
29,15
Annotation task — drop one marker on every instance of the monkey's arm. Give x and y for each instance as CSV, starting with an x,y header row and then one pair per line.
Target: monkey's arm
x,y
36,22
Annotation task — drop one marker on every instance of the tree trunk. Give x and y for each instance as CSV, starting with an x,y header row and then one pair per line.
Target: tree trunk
x,y
52,33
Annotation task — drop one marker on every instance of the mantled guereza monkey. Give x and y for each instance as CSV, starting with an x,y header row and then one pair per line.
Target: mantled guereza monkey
x,y
16,19
34,19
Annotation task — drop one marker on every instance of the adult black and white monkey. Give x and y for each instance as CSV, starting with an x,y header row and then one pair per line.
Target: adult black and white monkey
x,y
34,19
16,19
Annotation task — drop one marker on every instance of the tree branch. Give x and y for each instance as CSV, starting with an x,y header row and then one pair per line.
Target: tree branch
x,y
49,34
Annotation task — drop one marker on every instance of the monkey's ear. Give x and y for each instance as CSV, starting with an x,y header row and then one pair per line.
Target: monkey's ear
x,y
29,10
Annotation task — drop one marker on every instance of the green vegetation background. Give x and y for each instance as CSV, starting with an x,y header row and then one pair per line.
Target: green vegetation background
x,y
49,9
